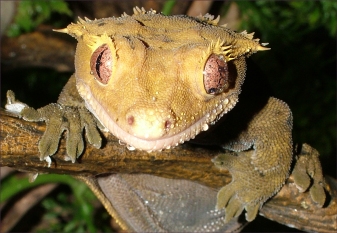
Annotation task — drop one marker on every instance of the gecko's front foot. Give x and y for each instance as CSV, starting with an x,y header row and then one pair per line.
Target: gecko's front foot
x,y
59,118
249,188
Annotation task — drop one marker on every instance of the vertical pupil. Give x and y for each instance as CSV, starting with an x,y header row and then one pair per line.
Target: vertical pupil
x,y
98,63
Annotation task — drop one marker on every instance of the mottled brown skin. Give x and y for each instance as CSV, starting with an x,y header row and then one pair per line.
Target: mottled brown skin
x,y
144,78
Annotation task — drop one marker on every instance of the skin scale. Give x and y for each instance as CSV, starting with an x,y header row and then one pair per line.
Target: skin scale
x,y
157,81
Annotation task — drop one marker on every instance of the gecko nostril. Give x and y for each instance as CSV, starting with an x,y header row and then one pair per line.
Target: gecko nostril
x,y
167,124
130,120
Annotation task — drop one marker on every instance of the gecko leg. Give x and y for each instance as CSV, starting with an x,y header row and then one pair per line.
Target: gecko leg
x,y
260,161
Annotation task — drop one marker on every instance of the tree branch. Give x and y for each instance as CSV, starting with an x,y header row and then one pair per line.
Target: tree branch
x,y
19,149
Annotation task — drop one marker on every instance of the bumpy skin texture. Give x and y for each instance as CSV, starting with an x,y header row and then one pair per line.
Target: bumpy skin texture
x,y
267,164
156,81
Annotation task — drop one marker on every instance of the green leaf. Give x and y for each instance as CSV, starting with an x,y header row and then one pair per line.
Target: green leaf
x,y
60,7
168,6
31,13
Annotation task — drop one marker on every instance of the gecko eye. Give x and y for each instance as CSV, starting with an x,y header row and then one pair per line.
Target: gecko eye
x,y
101,63
215,75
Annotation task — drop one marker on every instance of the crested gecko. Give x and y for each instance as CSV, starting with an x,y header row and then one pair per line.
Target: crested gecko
x,y
157,81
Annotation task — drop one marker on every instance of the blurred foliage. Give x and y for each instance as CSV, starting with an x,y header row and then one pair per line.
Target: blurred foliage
x,y
75,214
292,19
31,13
66,211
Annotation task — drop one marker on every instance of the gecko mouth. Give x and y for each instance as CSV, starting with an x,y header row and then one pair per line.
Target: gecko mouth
x,y
166,142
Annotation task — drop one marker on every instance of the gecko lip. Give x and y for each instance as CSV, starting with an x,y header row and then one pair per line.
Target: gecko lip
x,y
166,142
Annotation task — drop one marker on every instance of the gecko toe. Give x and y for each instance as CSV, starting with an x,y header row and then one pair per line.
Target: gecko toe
x,y
234,209
317,194
224,195
251,211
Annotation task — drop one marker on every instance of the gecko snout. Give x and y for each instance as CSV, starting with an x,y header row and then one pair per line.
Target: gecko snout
x,y
149,123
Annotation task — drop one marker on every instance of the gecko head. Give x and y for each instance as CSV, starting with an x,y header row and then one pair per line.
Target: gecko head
x,y
156,81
